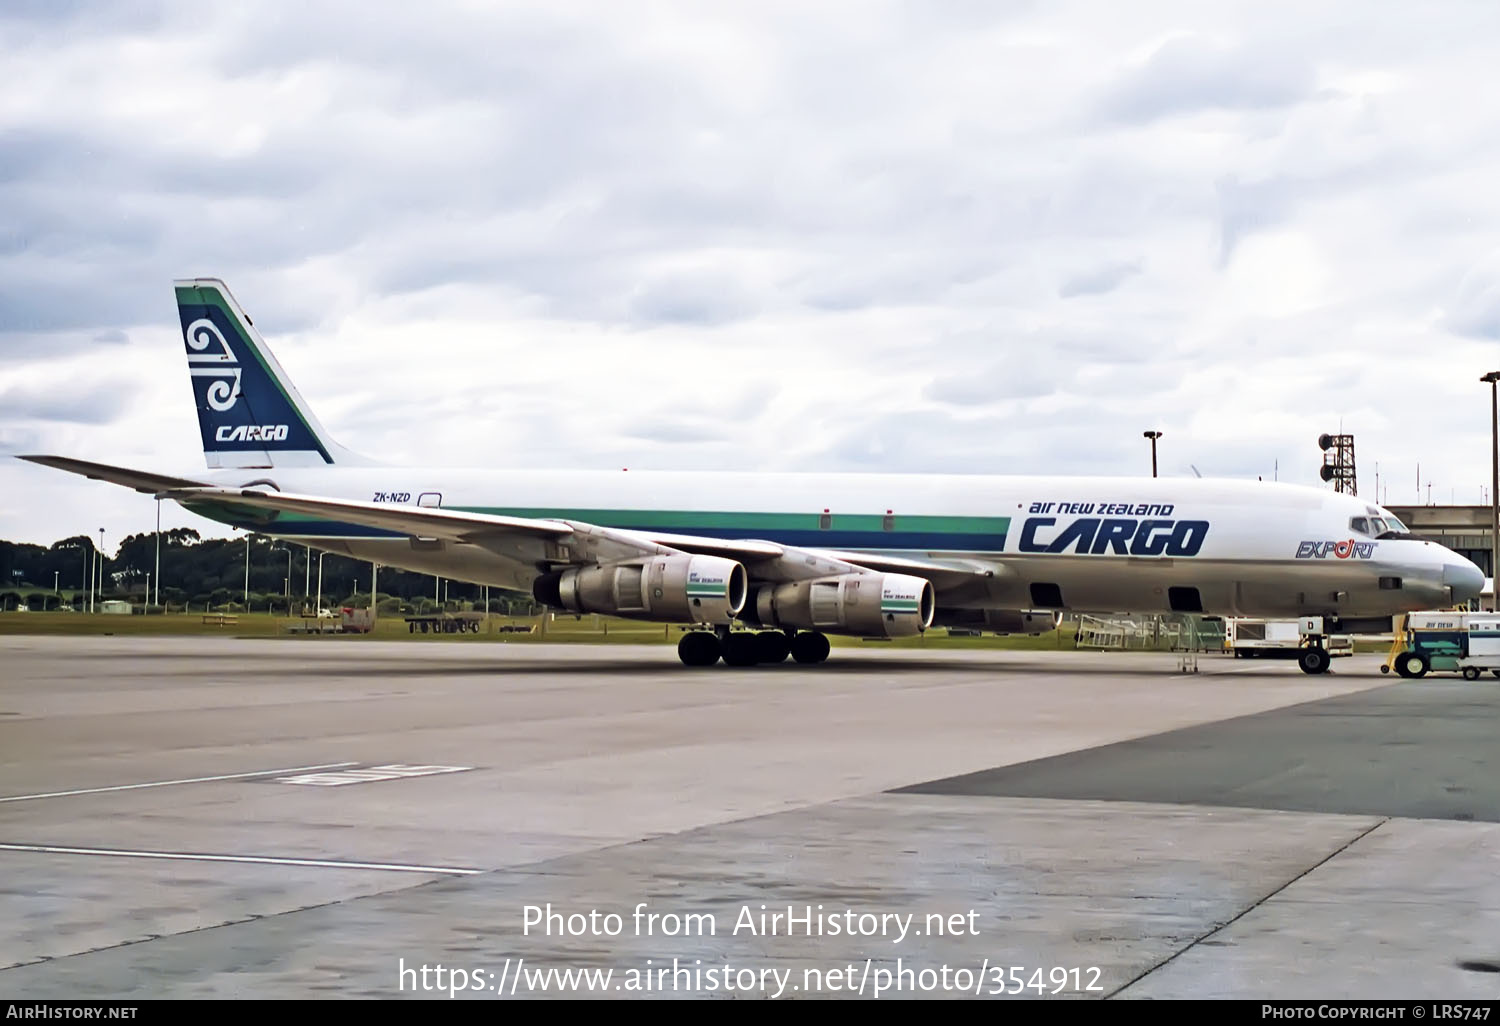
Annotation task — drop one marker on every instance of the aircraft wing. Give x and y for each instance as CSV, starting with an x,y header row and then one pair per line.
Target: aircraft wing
x,y
417,521
140,480
583,543
935,570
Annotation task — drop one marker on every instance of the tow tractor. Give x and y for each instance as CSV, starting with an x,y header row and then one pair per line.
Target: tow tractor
x,y
1445,641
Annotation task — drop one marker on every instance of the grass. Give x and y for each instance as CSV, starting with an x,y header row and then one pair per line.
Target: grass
x,y
561,629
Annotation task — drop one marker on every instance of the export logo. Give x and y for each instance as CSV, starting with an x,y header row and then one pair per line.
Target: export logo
x,y
1346,549
252,433
1119,535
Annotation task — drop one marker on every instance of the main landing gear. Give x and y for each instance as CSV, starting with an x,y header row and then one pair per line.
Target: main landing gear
x,y
751,648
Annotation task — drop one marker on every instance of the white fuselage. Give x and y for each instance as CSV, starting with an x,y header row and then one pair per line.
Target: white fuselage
x,y
1086,544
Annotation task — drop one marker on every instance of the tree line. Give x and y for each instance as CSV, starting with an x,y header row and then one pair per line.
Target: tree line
x,y
202,572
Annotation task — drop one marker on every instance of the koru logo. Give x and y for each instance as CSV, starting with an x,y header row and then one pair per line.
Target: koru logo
x,y
224,390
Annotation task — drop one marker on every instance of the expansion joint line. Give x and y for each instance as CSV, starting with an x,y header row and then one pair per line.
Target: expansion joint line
x,y
1249,908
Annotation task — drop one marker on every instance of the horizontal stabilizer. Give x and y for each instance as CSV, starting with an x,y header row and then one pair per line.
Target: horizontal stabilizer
x,y
140,480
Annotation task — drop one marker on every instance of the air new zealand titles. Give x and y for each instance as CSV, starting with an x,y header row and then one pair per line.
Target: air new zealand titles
x,y
1150,532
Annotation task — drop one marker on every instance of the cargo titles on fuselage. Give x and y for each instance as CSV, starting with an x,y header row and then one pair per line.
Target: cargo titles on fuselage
x,y
1121,536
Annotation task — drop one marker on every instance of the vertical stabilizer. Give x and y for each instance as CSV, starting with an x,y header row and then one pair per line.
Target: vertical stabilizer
x,y
249,413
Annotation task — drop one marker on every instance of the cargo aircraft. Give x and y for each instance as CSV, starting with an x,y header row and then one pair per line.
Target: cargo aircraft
x,y
792,557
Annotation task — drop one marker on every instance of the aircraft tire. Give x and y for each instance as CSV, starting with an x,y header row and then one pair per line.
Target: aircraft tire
x,y
1314,660
809,647
698,648
741,648
772,647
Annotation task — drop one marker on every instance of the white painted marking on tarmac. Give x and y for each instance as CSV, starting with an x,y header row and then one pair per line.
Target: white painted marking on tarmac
x,y
185,780
265,860
393,771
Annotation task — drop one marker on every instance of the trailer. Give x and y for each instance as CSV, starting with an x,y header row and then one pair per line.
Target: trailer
x,y
354,620
1258,638
1445,641
444,623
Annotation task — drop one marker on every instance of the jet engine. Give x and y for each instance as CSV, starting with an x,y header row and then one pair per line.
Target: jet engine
x,y
867,605
1000,621
668,589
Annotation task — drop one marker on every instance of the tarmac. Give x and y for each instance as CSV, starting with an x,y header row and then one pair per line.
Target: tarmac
x,y
293,818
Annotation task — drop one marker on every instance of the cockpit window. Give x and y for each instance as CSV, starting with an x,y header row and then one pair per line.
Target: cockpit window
x,y
1379,527
1362,526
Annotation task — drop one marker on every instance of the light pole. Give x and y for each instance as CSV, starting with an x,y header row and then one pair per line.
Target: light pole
x,y
307,579
158,561
101,568
287,580
88,573
247,573
1492,377
318,609
1153,435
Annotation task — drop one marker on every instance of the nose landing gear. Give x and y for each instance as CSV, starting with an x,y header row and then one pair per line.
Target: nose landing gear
x,y
1314,659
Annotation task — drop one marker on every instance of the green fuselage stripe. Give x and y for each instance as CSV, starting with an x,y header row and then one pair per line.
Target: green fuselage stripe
x,y
749,523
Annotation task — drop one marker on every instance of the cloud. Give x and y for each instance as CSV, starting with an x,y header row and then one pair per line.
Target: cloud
x,y
1476,302
846,235
1098,280
676,431
1191,73
99,405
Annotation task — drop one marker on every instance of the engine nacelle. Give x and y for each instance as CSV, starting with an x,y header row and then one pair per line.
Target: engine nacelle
x,y
1000,621
867,605
668,589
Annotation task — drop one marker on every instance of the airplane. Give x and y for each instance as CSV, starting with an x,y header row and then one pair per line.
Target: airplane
x,y
793,557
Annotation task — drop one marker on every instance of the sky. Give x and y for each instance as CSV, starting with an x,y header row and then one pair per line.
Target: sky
x,y
963,236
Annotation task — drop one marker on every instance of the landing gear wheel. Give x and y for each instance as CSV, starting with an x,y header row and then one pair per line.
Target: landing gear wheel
x,y
1314,660
1471,673
1412,665
809,647
698,648
741,649
772,647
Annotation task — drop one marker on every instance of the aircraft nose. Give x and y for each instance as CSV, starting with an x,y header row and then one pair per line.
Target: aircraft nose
x,y
1466,579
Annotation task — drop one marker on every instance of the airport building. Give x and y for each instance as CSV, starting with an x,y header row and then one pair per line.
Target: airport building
x,y
1464,529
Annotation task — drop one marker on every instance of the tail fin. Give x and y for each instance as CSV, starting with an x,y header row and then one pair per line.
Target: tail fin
x,y
249,412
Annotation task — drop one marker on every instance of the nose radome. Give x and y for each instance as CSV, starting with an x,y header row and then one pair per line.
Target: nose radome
x,y
1466,579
